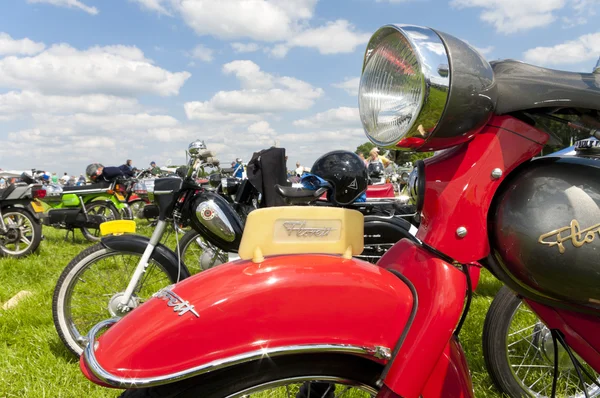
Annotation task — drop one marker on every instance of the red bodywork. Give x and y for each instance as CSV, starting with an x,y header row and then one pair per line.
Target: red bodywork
x,y
380,191
245,307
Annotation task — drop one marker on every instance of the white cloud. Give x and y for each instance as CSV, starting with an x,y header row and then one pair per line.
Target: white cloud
x,y
14,104
333,38
8,45
69,4
584,48
153,5
249,74
245,47
349,85
196,110
202,53
262,20
261,93
117,125
509,16
284,22
116,70
342,116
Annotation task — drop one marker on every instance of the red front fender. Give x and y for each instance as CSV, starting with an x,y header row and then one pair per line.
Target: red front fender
x,y
286,304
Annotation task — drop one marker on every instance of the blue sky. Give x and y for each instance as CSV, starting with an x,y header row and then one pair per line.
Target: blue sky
x,y
86,81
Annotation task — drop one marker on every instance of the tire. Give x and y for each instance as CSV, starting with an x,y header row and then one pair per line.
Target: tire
x,y
195,257
91,284
108,209
237,380
504,328
24,229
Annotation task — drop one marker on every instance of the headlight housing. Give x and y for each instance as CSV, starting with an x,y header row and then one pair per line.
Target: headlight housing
x,y
423,90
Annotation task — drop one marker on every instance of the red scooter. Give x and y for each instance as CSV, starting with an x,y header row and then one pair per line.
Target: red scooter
x,y
286,321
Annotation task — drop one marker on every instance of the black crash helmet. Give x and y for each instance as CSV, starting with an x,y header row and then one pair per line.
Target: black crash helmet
x,y
375,169
347,174
92,170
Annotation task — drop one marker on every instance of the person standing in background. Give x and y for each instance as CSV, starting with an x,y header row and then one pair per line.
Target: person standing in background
x,y
154,169
360,155
64,179
54,178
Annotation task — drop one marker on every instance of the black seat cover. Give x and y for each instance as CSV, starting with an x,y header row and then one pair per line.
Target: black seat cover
x,y
100,185
294,195
522,86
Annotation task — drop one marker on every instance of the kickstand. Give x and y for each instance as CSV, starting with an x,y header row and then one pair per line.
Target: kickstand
x,y
72,231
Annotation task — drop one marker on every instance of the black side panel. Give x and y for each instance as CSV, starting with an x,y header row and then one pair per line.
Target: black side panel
x,y
137,244
382,230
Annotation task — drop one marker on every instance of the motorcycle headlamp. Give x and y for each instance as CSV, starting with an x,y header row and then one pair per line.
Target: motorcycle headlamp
x,y
423,90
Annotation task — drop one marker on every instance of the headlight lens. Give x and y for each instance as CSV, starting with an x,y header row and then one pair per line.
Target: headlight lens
x,y
404,85
391,90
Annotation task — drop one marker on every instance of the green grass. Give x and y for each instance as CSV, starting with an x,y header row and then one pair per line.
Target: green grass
x,y
34,363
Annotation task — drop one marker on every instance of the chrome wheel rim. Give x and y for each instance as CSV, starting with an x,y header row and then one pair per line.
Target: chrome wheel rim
x,y
90,298
20,234
333,387
199,255
530,354
99,209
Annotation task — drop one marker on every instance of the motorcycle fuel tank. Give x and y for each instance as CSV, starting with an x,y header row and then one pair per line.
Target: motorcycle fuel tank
x,y
545,231
217,221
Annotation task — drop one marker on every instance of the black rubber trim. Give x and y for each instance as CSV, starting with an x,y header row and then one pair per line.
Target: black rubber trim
x,y
411,318
463,317
161,253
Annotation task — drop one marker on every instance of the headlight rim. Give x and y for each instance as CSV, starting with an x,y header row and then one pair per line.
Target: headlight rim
x,y
414,137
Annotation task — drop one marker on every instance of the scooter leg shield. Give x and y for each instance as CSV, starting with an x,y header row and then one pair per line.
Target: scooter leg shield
x,y
244,311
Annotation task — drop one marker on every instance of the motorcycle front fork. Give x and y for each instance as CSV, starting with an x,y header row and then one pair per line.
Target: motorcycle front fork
x,y
142,265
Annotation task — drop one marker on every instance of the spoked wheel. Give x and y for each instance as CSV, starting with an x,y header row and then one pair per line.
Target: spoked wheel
x,y
92,285
23,233
519,353
106,210
198,254
309,376
136,206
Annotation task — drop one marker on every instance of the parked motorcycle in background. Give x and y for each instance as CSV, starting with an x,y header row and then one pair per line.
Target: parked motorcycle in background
x,y
20,227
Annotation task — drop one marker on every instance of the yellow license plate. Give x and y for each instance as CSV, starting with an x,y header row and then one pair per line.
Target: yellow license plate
x,y
38,208
120,197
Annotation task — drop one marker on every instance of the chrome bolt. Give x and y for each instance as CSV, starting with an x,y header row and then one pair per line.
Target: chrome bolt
x,y
461,232
496,173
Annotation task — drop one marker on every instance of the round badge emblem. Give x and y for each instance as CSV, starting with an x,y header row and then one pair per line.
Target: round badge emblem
x,y
207,214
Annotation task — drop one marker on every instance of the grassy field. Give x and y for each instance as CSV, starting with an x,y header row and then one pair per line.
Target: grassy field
x,y
34,363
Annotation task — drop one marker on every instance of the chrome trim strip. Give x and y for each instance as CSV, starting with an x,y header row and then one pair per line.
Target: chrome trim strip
x,y
80,191
125,382
162,192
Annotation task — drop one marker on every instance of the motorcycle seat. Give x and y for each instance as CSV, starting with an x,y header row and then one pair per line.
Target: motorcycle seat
x,y
522,86
6,191
91,187
299,196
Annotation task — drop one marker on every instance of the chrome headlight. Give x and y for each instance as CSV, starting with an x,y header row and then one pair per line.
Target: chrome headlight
x,y
196,147
422,89
404,84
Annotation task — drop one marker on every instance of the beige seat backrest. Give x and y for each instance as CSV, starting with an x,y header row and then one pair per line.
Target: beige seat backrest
x,y
302,229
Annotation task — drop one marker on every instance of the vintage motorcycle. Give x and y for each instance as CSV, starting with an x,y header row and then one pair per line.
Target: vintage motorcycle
x,y
85,207
282,320
20,227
